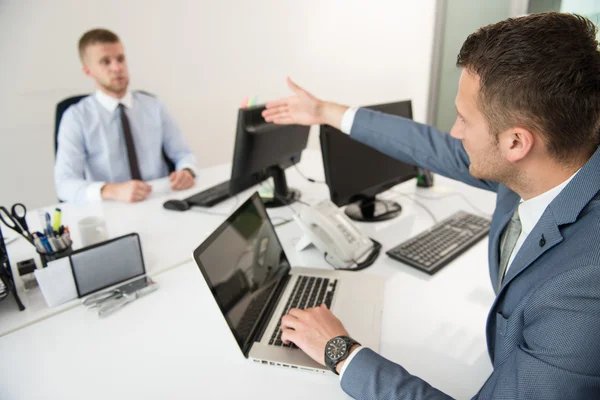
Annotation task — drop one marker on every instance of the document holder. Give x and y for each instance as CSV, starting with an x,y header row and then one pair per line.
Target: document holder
x,y
91,269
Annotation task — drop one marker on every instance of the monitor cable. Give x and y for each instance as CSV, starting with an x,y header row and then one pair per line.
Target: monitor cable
x,y
417,202
312,180
462,196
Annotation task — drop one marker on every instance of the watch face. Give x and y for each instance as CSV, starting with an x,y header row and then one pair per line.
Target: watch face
x,y
336,348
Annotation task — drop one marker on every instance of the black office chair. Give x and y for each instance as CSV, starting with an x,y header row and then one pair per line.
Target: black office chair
x,y
62,106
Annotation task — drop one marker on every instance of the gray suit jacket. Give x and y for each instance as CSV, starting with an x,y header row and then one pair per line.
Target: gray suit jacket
x,y
543,330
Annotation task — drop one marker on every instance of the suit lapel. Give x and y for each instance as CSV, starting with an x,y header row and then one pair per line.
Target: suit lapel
x,y
542,238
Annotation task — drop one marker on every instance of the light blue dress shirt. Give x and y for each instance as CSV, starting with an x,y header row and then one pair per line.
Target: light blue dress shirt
x,y
92,149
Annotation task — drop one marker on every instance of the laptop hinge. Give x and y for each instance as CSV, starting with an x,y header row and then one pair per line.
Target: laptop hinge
x,y
259,329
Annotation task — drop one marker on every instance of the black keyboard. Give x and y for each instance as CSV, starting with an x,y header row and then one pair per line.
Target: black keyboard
x,y
309,291
435,248
210,196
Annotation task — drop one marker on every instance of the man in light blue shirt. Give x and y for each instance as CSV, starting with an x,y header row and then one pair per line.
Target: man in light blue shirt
x,y
111,142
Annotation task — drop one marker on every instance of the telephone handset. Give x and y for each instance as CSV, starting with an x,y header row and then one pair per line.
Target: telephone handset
x,y
332,232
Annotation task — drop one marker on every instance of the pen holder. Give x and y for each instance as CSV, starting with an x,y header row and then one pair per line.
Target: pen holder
x,y
47,257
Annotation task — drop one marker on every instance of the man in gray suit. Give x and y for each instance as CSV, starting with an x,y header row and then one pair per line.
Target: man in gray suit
x,y
528,128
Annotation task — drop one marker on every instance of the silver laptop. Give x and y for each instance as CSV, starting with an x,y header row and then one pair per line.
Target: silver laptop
x,y
254,285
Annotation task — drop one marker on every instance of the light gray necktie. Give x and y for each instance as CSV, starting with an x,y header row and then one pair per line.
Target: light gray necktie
x,y
507,243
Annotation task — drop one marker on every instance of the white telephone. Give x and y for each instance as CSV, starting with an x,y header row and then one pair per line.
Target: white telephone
x,y
332,232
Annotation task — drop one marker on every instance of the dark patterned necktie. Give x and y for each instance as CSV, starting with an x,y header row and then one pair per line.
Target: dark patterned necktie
x,y
131,155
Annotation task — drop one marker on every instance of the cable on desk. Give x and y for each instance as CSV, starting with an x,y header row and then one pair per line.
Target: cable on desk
x,y
462,196
306,177
283,222
417,202
197,209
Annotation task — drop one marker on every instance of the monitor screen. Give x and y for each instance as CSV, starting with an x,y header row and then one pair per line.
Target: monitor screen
x,y
355,171
243,263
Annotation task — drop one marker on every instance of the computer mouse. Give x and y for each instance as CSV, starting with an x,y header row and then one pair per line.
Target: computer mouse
x,y
177,205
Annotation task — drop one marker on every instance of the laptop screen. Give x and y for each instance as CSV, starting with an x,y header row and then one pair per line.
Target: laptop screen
x,y
242,263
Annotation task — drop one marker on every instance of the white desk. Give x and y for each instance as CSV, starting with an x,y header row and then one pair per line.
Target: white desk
x,y
175,344
168,238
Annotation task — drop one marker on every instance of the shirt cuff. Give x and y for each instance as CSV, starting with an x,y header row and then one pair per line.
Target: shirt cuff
x,y
93,192
350,357
348,120
189,166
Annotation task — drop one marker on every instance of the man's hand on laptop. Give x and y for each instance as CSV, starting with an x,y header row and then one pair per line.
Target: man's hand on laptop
x,y
311,329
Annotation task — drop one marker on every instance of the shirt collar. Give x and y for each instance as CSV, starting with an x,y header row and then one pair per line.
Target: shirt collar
x,y
530,211
111,104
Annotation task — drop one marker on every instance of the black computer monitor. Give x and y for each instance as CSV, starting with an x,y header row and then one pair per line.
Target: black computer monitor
x,y
356,173
264,150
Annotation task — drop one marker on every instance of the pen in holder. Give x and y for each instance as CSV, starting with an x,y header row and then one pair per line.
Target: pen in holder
x,y
53,245
47,257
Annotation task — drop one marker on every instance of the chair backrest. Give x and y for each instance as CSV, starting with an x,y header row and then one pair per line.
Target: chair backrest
x,y
62,106
60,110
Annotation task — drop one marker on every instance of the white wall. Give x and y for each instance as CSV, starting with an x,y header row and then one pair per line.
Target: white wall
x,y
201,58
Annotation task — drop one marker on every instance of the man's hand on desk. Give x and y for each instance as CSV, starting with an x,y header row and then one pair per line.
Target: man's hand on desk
x,y
128,192
303,109
311,329
181,180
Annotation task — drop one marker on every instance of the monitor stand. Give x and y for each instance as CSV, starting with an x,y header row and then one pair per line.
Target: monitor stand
x,y
371,209
282,195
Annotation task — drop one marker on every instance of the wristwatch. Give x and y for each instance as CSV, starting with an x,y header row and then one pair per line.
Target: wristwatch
x,y
336,350
190,171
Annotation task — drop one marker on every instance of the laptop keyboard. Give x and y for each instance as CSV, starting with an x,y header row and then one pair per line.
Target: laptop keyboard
x,y
308,292
253,312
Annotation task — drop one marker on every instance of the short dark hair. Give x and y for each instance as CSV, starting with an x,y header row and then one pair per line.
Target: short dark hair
x,y
96,36
540,72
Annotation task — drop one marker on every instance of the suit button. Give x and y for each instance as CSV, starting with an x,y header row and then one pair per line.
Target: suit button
x,y
542,241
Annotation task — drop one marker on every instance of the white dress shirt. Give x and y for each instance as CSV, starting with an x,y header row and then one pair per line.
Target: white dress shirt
x,y
530,211
92,150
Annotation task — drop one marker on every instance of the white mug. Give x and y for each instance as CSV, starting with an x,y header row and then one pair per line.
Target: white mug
x,y
92,230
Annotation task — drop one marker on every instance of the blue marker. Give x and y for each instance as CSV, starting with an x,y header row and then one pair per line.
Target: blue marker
x,y
46,245
48,225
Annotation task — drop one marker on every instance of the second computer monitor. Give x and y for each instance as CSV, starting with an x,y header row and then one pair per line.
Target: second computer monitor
x,y
264,150
356,173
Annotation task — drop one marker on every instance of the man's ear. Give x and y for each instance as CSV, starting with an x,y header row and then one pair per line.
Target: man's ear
x,y
86,70
516,143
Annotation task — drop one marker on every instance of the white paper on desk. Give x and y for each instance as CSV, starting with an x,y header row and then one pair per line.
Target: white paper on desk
x,y
56,282
162,185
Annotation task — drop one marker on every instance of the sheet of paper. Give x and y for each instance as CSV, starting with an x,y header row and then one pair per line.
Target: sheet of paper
x,y
162,185
56,282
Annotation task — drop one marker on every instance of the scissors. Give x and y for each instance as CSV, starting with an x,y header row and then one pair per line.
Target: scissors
x,y
16,220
